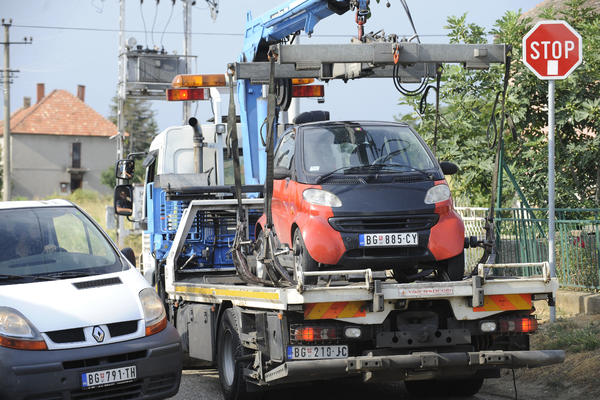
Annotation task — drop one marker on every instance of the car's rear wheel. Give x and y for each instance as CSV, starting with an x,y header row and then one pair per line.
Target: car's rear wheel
x,y
403,274
302,259
454,267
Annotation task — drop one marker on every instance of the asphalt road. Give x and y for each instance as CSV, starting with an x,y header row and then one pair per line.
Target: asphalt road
x,y
203,384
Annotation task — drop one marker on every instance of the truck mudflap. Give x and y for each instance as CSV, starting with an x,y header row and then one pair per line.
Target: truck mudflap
x,y
412,365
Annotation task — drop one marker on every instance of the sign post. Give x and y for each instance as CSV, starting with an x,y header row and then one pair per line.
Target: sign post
x,y
552,50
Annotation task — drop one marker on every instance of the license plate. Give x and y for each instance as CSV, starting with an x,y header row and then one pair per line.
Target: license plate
x,y
316,352
388,239
108,377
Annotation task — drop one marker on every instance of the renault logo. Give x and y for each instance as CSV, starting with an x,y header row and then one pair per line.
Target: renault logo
x,y
98,334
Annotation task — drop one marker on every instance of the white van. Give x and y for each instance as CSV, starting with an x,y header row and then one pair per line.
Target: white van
x,y
77,320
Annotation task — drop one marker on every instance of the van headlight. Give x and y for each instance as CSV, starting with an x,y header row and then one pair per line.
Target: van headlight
x,y
155,316
437,193
321,197
17,332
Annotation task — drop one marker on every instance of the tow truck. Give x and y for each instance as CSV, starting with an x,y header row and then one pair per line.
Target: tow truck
x,y
280,328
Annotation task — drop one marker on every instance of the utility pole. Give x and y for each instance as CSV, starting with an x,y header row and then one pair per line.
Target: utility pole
x,y
121,106
6,193
187,50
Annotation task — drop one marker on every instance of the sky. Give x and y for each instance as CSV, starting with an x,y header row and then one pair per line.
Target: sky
x,y
75,42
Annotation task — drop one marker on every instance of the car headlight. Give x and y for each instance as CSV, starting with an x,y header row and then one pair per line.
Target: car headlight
x,y
437,193
155,316
321,197
17,332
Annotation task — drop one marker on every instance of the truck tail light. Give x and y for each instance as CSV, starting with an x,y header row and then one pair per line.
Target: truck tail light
x,y
519,325
302,81
313,333
308,91
187,94
206,80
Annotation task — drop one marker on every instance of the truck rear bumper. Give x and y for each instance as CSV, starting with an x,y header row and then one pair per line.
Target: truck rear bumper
x,y
425,365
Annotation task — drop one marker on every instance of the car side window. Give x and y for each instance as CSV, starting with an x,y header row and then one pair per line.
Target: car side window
x,y
285,151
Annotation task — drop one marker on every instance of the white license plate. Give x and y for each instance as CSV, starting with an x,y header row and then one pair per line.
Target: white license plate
x,y
108,377
388,239
316,352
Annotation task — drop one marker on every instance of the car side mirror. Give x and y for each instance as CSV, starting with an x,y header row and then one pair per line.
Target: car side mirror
x,y
281,173
125,169
448,168
129,255
123,200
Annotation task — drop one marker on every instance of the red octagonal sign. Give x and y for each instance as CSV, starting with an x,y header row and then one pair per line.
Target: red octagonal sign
x,y
552,49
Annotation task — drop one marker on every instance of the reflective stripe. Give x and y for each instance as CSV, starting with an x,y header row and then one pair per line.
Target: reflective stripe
x,y
227,293
505,302
331,310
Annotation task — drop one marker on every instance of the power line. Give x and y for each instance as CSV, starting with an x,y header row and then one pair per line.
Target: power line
x,y
81,28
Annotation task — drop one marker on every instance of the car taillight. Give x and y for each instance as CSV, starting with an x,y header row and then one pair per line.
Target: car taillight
x,y
303,333
519,325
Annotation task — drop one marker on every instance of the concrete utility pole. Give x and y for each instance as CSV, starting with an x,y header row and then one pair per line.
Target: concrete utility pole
x,y
6,193
187,51
121,106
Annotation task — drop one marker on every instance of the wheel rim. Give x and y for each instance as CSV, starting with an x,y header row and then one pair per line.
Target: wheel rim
x,y
298,254
228,361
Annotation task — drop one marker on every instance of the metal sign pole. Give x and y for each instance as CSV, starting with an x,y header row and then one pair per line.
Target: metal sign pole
x,y
551,177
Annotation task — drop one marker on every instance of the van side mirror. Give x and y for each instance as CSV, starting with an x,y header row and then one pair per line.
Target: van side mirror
x,y
125,169
123,200
281,173
448,168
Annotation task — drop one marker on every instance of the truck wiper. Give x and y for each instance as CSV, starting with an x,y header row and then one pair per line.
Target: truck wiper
x,y
11,277
67,274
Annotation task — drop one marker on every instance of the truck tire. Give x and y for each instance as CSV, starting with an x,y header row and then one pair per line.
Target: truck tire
x,y
454,267
229,348
303,260
434,388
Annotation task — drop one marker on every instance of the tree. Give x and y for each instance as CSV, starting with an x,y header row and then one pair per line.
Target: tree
x,y
139,123
141,129
469,96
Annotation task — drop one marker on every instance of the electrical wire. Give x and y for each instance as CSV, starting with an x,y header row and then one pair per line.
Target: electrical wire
x,y
167,24
154,23
83,28
144,22
407,10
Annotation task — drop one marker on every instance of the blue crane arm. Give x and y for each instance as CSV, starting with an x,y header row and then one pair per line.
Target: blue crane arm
x,y
270,28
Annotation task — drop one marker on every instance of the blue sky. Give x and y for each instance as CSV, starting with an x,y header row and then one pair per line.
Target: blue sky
x,y
64,58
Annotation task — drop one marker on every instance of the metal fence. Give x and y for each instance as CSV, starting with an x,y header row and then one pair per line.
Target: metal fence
x,y
522,238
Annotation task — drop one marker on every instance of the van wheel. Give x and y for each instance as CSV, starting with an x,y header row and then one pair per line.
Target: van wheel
x,y
302,260
434,388
230,348
260,270
454,267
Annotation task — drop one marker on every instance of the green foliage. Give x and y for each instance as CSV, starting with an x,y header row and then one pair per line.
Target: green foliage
x,y
139,123
468,98
569,336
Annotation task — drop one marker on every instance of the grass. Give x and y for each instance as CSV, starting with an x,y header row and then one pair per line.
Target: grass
x,y
573,335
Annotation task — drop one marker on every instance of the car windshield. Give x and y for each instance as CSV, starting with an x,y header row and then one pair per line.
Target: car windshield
x,y
52,243
348,147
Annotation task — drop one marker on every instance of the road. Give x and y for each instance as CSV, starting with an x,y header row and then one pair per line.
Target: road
x,y
203,384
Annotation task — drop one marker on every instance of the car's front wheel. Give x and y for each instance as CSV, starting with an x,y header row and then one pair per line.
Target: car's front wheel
x,y
302,260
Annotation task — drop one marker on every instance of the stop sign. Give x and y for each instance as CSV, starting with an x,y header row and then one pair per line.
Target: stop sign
x,y
552,49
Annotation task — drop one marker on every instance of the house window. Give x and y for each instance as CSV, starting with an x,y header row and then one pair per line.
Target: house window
x,y
76,155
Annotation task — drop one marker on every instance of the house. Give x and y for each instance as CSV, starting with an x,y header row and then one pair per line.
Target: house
x,y
59,144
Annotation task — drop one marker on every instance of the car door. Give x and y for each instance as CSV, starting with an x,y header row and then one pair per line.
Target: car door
x,y
282,218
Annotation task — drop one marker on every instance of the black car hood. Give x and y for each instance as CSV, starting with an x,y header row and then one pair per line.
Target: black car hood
x,y
382,198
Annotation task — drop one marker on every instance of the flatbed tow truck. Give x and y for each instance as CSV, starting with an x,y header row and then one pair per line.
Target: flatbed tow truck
x,y
436,335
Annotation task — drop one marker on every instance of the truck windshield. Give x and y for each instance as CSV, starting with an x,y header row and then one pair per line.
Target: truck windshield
x,y
352,145
52,243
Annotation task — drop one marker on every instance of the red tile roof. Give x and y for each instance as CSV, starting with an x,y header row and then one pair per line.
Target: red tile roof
x,y
60,113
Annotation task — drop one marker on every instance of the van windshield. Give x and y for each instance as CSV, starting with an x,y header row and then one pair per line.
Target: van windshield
x,y
352,146
52,243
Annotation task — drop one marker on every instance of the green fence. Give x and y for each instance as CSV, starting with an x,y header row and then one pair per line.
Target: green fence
x,y
522,237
